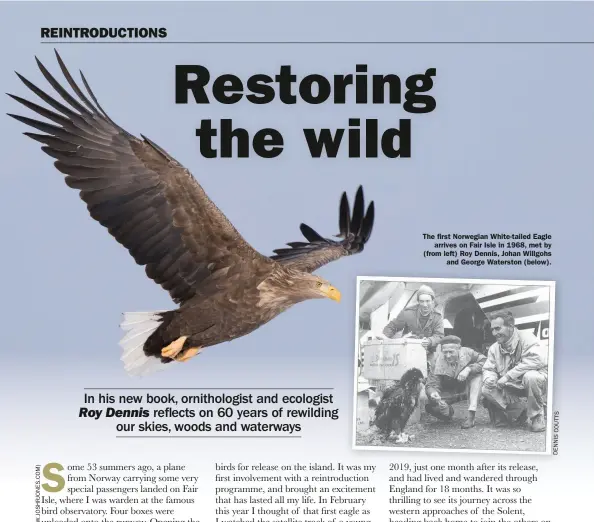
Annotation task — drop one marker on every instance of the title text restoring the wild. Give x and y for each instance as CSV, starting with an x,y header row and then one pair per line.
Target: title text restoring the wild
x,y
361,138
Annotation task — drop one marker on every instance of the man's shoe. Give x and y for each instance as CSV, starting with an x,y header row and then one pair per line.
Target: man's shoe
x,y
522,418
538,423
516,413
468,423
496,414
435,413
501,420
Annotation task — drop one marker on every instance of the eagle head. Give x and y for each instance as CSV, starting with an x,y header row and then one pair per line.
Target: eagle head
x,y
412,380
314,287
288,287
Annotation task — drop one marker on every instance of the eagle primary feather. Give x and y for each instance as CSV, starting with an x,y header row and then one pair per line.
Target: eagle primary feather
x,y
354,231
156,209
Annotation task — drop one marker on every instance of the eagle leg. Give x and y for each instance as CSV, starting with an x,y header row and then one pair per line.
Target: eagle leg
x,y
188,353
173,349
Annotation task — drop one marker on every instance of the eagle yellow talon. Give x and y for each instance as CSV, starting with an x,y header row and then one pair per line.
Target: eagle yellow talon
x,y
173,349
188,354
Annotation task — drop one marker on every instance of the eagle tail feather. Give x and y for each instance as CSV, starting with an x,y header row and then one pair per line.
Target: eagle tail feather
x,y
140,326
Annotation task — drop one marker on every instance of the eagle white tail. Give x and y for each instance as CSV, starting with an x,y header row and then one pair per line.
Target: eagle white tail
x,y
139,327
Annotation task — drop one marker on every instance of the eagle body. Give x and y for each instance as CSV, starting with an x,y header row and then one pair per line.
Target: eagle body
x,y
155,208
398,403
212,317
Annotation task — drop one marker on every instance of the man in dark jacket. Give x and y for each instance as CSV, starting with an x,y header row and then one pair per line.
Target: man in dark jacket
x,y
457,375
421,321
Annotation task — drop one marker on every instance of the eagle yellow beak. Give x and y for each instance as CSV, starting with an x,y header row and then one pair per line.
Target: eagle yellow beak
x,y
333,294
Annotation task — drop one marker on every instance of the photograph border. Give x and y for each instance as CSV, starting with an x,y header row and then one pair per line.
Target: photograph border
x,y
428,280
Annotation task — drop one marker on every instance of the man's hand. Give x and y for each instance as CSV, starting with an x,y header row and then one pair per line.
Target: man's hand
x,y
463,375
502,382
382,337
435,396
425,342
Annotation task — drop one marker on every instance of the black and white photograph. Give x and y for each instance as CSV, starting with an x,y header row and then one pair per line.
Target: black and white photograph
x,y
454,365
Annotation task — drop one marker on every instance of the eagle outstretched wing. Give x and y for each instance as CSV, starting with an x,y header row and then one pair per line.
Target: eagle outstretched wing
x,y
148,201
355,231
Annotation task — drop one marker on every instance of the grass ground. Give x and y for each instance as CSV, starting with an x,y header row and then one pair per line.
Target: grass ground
x,y
432,433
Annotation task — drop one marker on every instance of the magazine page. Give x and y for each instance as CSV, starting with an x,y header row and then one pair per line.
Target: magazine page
x,y
296,261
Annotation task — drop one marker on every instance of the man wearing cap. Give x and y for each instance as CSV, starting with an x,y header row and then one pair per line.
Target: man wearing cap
x,y
516,366
422,321
457,375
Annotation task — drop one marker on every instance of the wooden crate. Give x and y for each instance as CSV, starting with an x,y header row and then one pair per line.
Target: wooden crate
x,y
386,361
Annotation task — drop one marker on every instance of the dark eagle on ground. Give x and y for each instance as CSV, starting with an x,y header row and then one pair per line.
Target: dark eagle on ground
x,y
397,404
155,208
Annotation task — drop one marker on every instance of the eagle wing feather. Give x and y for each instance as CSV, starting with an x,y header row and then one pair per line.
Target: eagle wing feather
x,y
390,407
355,231
148,201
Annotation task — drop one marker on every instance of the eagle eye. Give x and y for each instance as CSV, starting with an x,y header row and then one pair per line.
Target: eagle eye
x,y
319,284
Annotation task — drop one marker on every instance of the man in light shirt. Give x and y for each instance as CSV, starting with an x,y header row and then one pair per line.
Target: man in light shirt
x,y
516,366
